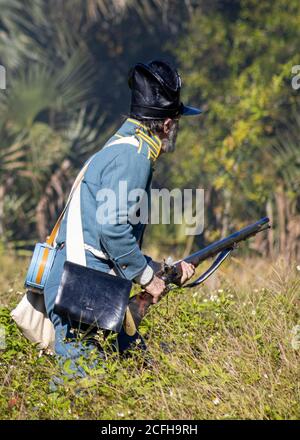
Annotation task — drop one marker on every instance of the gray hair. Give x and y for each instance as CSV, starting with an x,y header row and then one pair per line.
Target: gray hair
x,y
154,125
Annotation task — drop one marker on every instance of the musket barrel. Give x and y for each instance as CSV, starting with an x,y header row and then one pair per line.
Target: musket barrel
x,y
228,242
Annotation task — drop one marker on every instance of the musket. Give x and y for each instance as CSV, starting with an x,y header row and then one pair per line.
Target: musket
x,y
170,273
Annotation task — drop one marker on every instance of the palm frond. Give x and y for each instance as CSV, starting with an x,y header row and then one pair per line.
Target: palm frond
x,y
109,9
30,92
85,134
36,89
74,81
16,25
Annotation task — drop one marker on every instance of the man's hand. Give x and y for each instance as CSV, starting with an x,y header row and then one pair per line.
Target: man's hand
x,y
155,288
187,271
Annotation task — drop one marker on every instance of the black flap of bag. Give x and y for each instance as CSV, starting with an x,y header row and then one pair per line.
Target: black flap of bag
x,y
92,297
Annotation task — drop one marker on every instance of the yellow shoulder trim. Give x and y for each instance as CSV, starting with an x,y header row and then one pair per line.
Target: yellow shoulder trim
x,y
140,145
139,124
154,148
153,142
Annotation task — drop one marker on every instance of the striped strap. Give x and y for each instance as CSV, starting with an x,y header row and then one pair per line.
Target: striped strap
x,y
51,238
75,251
42,266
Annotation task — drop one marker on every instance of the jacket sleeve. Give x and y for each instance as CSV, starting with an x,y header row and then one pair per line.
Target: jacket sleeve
x,y
128,171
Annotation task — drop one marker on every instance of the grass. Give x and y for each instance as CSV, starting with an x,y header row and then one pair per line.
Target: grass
x,y
232,353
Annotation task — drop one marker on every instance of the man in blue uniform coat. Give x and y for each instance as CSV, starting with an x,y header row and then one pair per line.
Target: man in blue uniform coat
x,y
153,124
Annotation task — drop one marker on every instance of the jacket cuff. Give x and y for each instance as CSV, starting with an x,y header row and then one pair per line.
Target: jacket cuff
x,y
149,259
130,265
145,277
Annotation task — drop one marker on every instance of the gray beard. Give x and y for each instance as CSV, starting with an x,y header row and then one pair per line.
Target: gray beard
x,y
168,144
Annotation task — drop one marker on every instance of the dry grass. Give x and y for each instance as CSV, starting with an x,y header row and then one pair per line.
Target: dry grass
x,y
229,355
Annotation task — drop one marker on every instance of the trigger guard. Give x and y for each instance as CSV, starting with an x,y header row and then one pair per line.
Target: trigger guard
x,y
215,265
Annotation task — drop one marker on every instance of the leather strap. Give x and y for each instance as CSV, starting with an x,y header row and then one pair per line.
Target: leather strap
x,y
75,230
51,238
75,246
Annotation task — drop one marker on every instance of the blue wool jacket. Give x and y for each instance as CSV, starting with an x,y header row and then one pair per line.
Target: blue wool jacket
x,y
112,164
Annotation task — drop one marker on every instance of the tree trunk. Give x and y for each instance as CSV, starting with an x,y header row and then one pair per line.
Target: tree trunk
x,y
2,194
280,199
226,213
270,236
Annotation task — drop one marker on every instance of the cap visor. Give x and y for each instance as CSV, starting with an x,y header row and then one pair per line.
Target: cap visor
x,y
190,111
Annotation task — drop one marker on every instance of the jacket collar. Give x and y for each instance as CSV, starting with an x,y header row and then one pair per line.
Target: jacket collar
x,y
133,127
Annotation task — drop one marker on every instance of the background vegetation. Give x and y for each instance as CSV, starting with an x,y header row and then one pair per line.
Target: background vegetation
x,y
234,341
67,65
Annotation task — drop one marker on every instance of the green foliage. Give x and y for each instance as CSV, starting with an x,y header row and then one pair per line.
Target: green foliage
x,y
235,59
239,65
55,111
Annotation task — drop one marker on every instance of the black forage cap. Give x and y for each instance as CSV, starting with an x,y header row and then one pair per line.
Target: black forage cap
x,y
155,88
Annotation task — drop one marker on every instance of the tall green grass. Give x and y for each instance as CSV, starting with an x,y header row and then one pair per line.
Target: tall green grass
x,y
226,350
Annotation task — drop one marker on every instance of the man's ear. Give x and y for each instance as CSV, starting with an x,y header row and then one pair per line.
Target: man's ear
x,y
167,125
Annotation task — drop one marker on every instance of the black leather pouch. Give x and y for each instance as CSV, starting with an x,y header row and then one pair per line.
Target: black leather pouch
x,y
92,297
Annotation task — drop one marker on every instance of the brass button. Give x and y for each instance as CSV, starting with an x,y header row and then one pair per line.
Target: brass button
x,y
124,266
